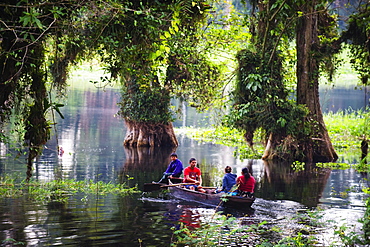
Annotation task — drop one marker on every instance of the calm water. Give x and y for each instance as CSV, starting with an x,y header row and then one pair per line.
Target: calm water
x,y
91,137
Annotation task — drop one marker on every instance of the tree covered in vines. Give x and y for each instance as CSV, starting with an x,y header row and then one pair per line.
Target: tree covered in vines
x,y
154,49
293,129
157,55
26,29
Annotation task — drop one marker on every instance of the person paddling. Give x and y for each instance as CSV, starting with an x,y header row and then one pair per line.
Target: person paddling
x,y
192,174
174,169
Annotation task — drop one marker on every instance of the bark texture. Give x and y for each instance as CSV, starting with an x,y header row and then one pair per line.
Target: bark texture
x,y
150,135
319,147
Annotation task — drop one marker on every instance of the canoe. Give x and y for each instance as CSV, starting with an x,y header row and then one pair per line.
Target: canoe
x,y
220,199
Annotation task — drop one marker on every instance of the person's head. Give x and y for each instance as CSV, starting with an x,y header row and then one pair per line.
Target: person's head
x,y
192,162
173,156
245,172
227,169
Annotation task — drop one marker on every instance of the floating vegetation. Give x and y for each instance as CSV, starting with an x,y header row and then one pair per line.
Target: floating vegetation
x,y
59,190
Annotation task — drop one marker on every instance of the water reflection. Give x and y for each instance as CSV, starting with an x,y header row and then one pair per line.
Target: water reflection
x,y
190,217
144,165
282,182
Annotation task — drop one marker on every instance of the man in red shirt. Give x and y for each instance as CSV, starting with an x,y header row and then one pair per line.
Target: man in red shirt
x,y
192,174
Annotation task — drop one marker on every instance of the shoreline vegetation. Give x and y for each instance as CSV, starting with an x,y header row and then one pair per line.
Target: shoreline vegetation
x,y
346,129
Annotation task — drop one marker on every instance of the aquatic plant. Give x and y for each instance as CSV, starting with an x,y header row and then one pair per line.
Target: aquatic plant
x,y
224,230
59,190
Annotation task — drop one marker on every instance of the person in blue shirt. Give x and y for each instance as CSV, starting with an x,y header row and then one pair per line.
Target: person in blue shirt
x,y
174,169
228,181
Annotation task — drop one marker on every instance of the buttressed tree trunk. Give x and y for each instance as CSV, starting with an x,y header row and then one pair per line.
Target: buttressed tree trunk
x,y
141,134
319,147
146,114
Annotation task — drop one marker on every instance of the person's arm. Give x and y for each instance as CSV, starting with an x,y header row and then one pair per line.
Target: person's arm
x,y
224,184
168,170
238,182
188,179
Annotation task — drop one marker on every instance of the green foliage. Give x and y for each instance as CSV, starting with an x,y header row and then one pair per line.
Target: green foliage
x,y
219,230
26,31
271,114
366,219
58,190
12,241
157,54
351,237
337,166
145,105
357,38
260,98
348,128
227,137
225,231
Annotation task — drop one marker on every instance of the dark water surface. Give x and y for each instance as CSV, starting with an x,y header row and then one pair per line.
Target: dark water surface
x,y
91,137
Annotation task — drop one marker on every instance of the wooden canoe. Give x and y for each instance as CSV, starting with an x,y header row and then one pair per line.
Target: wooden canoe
x,y
209,198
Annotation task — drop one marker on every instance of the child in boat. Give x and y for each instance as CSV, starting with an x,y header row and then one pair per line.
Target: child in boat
x,y
192,174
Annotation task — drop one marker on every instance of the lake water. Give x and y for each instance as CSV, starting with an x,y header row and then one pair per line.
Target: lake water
x,y
91,137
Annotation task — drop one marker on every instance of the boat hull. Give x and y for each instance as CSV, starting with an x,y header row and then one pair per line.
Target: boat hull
x,y
220,199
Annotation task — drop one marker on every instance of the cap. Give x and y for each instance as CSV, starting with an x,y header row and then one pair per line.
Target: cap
x,y
174,154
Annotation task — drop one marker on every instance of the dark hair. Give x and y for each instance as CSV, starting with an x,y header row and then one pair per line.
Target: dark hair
x,y
192,159
227,169
173,154
245,172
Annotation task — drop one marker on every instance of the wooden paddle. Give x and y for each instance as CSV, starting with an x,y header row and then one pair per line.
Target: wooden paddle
x,y
148,187
173,185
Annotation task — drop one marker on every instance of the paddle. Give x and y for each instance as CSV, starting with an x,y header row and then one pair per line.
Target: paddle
x,y
148,187
172,185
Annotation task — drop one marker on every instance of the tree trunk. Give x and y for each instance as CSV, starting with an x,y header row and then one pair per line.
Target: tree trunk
x,y
150,135
319,147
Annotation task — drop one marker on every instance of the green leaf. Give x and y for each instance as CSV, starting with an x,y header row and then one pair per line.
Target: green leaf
x,y
38,23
